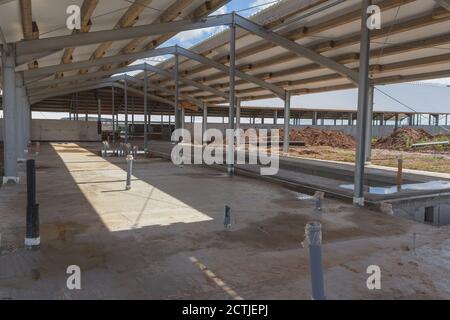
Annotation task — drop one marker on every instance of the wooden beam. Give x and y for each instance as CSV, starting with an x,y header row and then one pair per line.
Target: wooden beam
x,y
128,19
29,27
203,10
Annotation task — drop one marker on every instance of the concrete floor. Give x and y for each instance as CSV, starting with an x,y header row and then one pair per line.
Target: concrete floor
x,y
165,239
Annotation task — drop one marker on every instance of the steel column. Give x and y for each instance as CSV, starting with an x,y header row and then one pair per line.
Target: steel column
x,y
238,114
177,93
369,126
205,122
99,116
126,110
113,114
363,104
232,101
20,126
9,116
145,111
287,117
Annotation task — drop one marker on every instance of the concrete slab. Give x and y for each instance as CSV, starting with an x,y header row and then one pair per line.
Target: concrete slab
x,y
164,239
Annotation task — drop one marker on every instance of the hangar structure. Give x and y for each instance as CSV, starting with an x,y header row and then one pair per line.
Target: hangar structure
x,y
291,48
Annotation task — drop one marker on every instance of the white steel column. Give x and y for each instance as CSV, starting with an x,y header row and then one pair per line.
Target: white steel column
x,y
369,125
287,118
363,106
20,125
126,110
205,122
178,120
232,101
238,114
145,111
9,116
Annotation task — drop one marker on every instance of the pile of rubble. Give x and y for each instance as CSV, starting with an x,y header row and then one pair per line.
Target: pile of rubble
x,y
403,139
317,137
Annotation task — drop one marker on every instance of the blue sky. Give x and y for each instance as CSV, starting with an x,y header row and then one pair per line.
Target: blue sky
x,y
244,8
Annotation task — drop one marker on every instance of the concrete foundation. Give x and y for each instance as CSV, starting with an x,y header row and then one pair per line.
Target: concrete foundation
x,y
61,130
165,239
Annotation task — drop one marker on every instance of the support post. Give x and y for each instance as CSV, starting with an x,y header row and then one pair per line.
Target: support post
x,y
238,114
113,114
232,101
182,117
369,127
132,118
130,160
313,233
126,110
314,119
363,103
20,119
205,123
32,238
287,118
177,93
99,116
145,111
9,116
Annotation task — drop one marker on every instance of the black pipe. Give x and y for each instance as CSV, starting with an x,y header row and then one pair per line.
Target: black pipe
x,y
32,240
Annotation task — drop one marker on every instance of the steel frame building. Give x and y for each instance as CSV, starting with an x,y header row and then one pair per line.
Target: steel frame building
x,y
292,48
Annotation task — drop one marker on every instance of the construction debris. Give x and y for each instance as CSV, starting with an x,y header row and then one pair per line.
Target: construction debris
x,y
318,137
404,138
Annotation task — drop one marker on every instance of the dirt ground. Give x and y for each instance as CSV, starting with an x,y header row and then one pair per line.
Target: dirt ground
x,y
336,146
165,239
426,161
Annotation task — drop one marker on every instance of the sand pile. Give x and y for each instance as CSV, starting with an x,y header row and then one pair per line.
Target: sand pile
x,y
317,137
403,138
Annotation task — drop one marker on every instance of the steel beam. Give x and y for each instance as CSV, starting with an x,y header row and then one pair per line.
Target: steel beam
x,y
36,74
57,91
201,59
186,80
363,104
292,46
29,50
87,76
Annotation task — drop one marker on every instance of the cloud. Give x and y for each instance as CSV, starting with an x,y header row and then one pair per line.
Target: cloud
x,y
191,37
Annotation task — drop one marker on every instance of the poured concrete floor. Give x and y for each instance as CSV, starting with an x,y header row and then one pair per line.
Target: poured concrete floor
x,y
165,239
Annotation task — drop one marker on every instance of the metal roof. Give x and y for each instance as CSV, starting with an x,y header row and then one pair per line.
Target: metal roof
x,y
412,44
